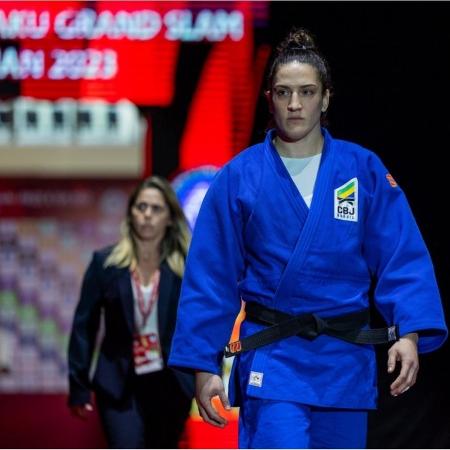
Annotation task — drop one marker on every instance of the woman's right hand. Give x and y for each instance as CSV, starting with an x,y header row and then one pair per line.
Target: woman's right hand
x,y
81,411
207,386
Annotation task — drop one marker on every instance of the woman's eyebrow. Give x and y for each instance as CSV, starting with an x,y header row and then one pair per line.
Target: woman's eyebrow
x,y
292,85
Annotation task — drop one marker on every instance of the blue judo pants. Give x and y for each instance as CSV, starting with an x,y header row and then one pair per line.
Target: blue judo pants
x,y
280,424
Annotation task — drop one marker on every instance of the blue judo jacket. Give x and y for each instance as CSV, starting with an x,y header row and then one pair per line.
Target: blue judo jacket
x,y
255,239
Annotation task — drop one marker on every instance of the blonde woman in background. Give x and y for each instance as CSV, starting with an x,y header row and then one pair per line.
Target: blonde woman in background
x,y
136,283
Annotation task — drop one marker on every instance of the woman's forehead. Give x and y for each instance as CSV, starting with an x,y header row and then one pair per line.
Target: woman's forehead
x,y
151,193
295,72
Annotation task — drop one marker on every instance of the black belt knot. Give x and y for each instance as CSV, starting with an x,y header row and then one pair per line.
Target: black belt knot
x,y
320,326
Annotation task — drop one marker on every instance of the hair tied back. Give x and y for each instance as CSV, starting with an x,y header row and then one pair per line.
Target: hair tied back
x,y
295,47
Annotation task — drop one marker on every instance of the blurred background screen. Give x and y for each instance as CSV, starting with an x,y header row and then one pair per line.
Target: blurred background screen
x,y
83,84
93,97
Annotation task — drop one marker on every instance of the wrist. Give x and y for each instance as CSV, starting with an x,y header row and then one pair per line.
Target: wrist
x,y
414,337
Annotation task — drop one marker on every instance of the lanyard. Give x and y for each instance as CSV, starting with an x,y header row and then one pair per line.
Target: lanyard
x,y
143,309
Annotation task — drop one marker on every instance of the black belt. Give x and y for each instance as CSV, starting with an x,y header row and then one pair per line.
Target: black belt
x,y
347,327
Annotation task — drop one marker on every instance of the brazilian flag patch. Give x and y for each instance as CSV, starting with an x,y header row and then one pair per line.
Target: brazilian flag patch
x,y
346,201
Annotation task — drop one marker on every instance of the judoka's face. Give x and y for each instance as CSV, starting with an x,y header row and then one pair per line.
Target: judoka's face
x,y
297,100
150,215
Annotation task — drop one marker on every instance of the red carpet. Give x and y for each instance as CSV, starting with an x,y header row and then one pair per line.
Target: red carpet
x,y
44,421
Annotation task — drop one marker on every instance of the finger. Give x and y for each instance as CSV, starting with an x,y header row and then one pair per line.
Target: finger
x,y
392,360
203,414
208,419
82,411
401,382
412,375
79,412
411,378
213,414
224,400
211,419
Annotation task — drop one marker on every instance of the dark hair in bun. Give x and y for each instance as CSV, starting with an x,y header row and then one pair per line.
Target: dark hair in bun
x,y
299,45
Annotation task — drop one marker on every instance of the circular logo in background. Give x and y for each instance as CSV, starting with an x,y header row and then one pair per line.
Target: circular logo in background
x,y
191,187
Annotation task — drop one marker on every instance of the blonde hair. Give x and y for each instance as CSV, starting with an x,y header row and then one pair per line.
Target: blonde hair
x,y
175,244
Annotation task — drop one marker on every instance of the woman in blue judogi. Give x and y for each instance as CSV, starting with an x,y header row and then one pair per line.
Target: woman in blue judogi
x,y
305,229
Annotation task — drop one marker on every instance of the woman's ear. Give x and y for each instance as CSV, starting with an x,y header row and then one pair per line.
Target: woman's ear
x,y
325,100
268,95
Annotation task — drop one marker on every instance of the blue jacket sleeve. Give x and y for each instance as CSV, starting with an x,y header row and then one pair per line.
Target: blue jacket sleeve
x,y
406,290
210,300
83,336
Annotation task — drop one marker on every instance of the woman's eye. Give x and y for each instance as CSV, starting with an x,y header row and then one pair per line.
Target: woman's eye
x,y
142,206
282,92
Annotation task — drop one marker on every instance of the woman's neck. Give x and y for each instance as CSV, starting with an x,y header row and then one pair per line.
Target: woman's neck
x,y
148,260
308,146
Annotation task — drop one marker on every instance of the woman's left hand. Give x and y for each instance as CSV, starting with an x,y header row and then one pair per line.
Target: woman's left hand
x,y
404,351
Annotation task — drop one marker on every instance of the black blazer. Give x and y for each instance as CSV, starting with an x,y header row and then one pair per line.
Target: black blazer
x,y
109,289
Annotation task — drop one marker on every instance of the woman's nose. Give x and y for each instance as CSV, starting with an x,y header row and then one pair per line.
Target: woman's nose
x,y
294,102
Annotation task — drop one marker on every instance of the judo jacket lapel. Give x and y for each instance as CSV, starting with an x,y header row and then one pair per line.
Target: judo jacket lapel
x,y
310,219
285,180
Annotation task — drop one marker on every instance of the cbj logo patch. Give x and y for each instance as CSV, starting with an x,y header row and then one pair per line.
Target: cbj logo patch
x,y
346,201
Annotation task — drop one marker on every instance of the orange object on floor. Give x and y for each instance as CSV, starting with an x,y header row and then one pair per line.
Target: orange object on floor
x,y
200,434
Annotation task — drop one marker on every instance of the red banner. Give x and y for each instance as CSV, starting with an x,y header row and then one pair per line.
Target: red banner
x,y
114,50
